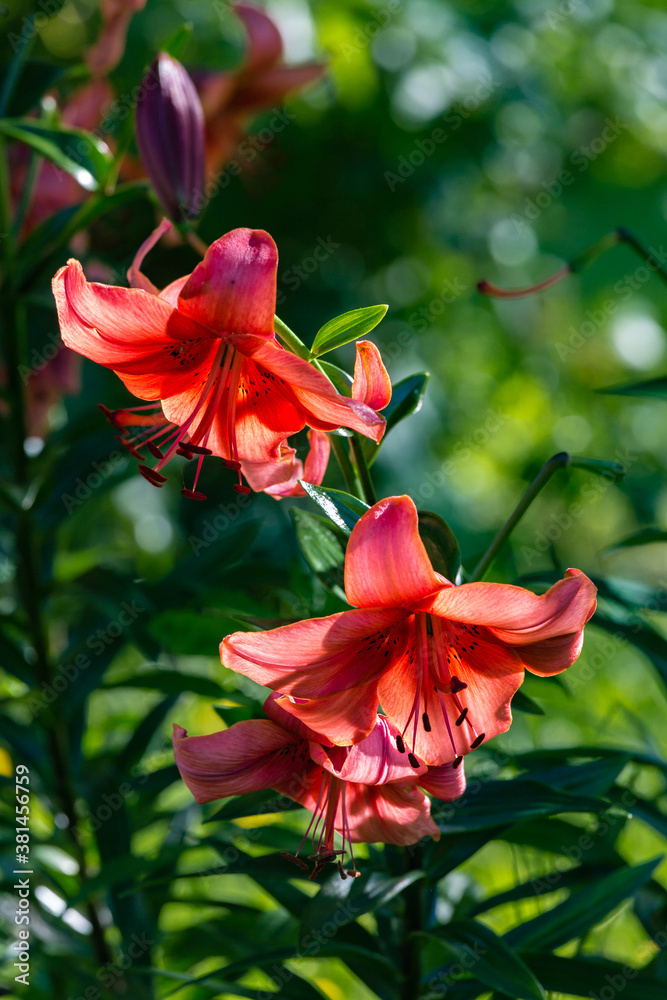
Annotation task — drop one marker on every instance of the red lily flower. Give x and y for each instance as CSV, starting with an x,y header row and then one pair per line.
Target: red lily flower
x,y
443,661
371,385
230,99
367,793
204,348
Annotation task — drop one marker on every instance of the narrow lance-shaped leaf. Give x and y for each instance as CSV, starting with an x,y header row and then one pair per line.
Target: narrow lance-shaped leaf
x,y
479,950
347,327
341,508
75,151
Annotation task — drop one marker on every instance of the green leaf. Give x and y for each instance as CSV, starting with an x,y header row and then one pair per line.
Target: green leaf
x,y
601,466
522,703
172,682
653,387
594,778
480,951
341,508
641,635
192,633
339,378
582,910
498,803
440,544
349,326
176,43
318,541
343,901
75,151
646,536
407,397
254,804
586,977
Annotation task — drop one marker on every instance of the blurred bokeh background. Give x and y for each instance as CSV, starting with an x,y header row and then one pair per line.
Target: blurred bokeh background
x,y
446,143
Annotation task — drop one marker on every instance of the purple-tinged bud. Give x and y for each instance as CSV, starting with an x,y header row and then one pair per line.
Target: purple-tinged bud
x,y
170,136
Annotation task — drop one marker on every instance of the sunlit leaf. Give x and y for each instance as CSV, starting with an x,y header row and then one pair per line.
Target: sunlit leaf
x,y
349,326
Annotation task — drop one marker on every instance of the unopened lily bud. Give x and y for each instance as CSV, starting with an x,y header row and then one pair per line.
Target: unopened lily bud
x,y
170,136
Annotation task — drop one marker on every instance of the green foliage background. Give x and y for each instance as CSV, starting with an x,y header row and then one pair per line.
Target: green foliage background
x,y
521,92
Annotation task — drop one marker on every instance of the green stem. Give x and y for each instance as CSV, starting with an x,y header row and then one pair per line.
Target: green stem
x,y
6,238
26,194
344,463
625,236
363,473
412,922
291,340
559,461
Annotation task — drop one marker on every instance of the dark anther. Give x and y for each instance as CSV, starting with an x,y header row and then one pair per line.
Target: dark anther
x,y
413,760
154,450
240,488
426,723
293,858
184,452
152,476
400,745
476,742
457,762
229,463
197,448
193,494
461,717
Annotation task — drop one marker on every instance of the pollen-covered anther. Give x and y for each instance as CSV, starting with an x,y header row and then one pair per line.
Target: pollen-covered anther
x,y
426,722
478,739
461,718
457,762
229,463
413,760
400,745
240,488
153,477
193,494
154,450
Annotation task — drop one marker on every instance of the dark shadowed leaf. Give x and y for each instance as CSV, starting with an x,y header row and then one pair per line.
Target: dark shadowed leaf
x,y
582,910
440,544
487,957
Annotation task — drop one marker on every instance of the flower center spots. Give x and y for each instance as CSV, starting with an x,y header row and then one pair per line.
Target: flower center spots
x,y
435,656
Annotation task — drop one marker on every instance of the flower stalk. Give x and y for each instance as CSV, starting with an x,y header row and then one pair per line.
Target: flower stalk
x,y
556,462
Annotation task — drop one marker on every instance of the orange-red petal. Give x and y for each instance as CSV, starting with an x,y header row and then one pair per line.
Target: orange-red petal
x,y
386,564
